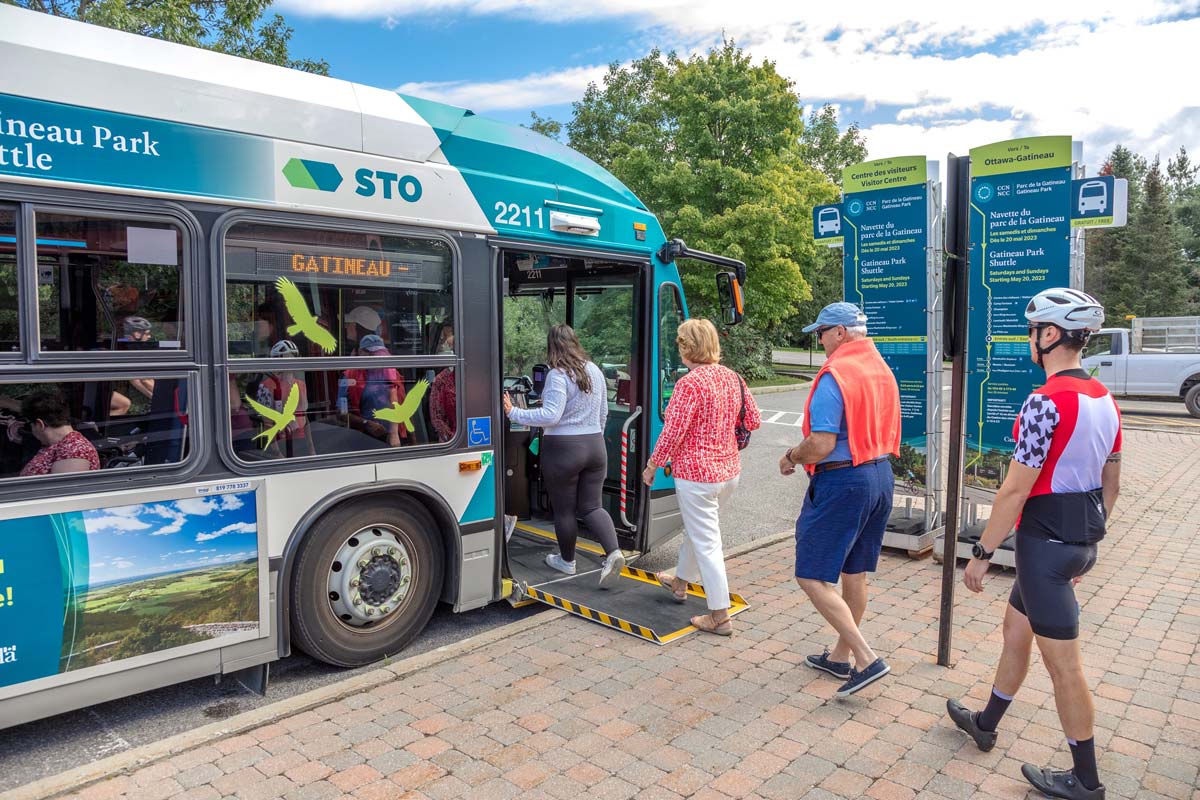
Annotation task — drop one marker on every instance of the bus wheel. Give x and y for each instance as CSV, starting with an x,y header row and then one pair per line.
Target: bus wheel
x,y
366,580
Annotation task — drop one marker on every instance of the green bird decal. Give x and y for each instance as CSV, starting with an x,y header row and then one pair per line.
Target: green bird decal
x,y
305,322
281,419
402,413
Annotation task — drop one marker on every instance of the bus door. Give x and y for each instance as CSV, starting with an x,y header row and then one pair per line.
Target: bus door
x,y
608,305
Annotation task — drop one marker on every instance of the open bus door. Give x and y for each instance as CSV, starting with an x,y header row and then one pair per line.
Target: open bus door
x,y
610,304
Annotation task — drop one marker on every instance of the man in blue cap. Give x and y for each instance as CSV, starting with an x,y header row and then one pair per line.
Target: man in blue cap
x,y
851,424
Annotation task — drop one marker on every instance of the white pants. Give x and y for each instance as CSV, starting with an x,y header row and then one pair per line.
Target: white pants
x,y
701,556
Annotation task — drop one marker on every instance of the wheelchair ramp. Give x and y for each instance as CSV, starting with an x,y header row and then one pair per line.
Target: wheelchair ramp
x,y
634,604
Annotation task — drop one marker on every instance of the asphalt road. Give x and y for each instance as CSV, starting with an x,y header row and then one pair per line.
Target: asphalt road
x,y
765,503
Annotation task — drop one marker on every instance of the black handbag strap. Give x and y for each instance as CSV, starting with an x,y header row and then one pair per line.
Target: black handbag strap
x,y
742,414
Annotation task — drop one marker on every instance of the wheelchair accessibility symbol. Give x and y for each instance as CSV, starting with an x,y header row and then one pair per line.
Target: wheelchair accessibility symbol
x,y
479,431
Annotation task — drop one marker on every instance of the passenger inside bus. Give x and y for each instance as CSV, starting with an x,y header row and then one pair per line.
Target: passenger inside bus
x,y
123,427
63,449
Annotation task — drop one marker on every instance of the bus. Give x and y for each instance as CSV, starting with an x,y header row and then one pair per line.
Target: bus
x,y
254,329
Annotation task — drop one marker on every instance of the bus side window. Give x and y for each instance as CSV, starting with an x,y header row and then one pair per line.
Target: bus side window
x,y
108,284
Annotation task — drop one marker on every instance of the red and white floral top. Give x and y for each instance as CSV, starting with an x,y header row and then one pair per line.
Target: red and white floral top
x,y
73,445
697,439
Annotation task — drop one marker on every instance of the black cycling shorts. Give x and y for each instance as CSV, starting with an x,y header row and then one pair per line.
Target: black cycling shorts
x,y
1043,591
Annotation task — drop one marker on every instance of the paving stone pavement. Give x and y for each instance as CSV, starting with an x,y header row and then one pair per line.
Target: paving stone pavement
x,y
571,710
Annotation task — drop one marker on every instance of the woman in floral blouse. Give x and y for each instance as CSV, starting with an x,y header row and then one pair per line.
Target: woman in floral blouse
x,y
698,442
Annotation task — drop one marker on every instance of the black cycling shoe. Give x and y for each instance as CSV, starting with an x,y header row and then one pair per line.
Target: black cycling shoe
x,y
1060,784
968,721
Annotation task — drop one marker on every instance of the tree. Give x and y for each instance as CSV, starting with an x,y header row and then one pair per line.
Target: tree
x,y
1152,279
1105,249
235,27
827,147
1185,195
544,125
712,145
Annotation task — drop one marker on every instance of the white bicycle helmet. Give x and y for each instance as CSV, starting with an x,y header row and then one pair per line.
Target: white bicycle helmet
x,y
1069,309
285,348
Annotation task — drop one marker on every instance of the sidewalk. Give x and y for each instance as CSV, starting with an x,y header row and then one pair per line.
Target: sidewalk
x,y
572,710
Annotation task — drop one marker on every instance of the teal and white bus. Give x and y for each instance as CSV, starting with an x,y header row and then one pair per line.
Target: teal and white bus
x,y
254,329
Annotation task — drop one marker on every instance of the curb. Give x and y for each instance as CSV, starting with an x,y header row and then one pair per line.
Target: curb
x,y
138,757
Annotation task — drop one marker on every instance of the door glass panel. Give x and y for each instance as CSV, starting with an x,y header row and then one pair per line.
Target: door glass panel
x,y
670,366
604,322
527,318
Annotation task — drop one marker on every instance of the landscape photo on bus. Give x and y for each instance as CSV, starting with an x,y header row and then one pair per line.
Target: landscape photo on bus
x,y
252,368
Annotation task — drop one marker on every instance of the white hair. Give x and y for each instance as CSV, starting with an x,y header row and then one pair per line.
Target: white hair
x,y
856,331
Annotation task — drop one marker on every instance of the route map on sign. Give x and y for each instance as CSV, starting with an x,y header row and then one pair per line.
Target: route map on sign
x,y
1020,225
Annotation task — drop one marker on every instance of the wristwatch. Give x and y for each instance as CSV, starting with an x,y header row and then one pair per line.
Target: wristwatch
x,y
977,551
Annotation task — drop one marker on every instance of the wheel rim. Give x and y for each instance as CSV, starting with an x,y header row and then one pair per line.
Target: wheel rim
x,y
371,577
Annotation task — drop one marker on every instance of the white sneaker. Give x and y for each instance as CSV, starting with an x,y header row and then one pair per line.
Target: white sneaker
x,y
555,561
510,525
613,564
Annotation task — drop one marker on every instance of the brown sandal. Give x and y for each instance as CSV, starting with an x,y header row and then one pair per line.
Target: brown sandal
x,y
668,583
706,623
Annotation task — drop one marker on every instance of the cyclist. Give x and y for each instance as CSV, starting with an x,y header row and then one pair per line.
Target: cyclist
x,y
1061,486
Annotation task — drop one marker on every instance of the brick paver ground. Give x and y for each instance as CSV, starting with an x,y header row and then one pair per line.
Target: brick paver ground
x,y
571,710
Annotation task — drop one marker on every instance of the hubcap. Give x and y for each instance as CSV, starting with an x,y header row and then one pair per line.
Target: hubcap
x,y
370,576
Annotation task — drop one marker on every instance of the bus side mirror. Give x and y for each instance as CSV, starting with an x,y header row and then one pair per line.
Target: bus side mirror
x,y
729,293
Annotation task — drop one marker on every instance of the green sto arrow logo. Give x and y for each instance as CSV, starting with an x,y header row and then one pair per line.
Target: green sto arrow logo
x,y
305,174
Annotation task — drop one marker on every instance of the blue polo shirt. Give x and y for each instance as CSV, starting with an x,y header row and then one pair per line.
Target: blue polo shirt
x,y
827,414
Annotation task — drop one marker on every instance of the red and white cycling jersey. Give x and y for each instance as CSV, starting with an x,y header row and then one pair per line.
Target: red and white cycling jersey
x,y
1068,428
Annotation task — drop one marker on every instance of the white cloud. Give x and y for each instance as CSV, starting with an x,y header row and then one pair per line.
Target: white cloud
x,y
114,522
1105,72
530,91
121,563
237,527
230,502
197,506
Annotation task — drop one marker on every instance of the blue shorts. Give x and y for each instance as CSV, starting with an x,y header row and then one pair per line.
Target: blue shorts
x,y
840,529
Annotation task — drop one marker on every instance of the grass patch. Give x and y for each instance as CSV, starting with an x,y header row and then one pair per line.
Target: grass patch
x,y
778,380
792,349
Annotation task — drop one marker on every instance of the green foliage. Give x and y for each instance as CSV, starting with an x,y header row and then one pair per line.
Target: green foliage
x,y
828,148
715,146
544,125
1149,268
235,27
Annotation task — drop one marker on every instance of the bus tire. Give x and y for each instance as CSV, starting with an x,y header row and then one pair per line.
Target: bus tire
x,y
1192,400
366,580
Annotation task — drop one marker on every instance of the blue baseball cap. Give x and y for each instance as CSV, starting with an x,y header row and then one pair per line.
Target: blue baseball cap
x,y
372,344
846,314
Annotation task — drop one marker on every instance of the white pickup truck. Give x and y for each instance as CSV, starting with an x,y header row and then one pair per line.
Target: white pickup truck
x,y
1157,357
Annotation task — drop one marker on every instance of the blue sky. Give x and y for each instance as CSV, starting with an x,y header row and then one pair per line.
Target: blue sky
x,y
140,540
919,78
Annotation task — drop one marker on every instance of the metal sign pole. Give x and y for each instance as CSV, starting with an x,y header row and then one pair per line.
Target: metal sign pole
x,y
958,193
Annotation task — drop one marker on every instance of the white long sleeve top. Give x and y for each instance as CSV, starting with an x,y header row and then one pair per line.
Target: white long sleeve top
x,y
565,410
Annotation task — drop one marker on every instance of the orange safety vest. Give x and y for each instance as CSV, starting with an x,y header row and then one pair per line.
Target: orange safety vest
x,y
871,399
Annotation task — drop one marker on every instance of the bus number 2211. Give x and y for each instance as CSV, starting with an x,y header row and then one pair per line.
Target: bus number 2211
x,y
511,214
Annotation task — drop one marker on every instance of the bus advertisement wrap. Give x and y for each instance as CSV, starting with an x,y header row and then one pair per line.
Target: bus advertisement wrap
x,y
886,229
1020,225
87,588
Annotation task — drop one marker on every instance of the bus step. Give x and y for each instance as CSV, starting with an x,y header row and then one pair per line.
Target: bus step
x,y
634,603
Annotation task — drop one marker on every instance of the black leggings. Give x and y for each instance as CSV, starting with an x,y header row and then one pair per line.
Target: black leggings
x,y
574,468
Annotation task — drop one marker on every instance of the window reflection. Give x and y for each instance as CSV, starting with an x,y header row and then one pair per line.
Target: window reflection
x,y
66,426
9,307
327,291
294,413
105,284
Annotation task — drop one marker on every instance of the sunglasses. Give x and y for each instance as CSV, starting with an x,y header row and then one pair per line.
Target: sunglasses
x,y
822,331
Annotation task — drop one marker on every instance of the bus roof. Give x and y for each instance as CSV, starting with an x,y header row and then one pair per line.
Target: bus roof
x,y
285,137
